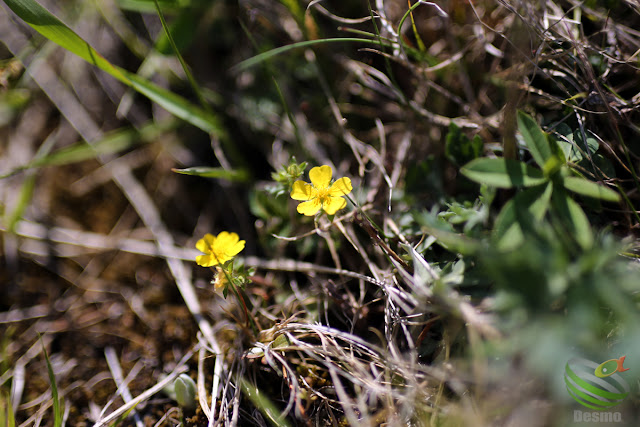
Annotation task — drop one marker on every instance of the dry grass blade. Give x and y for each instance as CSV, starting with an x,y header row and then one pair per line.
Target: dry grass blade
x,y
124,409
121,382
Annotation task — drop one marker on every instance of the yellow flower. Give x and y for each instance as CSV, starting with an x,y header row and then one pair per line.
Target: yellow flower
x,y
319,194
218,250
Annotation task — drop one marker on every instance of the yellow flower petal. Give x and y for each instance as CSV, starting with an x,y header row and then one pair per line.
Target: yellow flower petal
x,y
219,249
235,249
302,191
310,208
341,187
332,205
205,244
206,260
224,240
320,176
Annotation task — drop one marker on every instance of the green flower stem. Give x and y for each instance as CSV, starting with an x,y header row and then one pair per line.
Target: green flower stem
x,y
251,322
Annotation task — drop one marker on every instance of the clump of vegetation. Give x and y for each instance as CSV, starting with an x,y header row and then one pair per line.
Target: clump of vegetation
x,y
408,214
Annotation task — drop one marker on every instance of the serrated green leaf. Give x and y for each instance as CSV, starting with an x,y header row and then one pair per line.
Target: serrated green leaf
x,y
573,217
55,30
503,173
535,139
239,175
588,188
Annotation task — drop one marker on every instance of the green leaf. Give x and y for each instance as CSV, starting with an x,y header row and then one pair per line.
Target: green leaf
x,y
503,173
520,214
185,391
535,139
573,217
588,188
453,242
573,145
55,30
239,175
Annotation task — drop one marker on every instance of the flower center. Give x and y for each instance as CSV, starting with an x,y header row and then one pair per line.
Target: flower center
x,y
322,194
216,252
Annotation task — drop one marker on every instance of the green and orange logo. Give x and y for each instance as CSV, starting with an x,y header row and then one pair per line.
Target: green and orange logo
x,y
596,386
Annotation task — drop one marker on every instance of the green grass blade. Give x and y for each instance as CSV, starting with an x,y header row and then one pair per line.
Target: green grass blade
x,y
28,186
263,403
271,70
7,417
181,30
57,413
176,51
55,30
26,193
176,105
239,175
404,17
113,142
147,6
255,60
416,34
